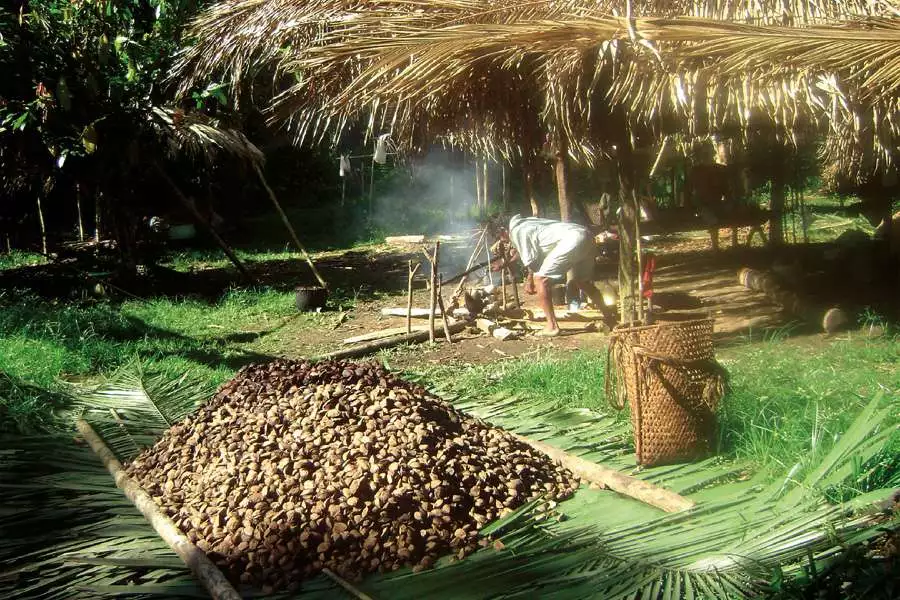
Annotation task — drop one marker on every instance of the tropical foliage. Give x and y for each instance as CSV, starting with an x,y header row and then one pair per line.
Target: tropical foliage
x,y
82,113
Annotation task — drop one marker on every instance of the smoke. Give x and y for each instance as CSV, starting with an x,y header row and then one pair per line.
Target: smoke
x,y
434,195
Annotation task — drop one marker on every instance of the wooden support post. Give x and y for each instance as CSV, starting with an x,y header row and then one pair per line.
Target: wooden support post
x,y
78,208
440,299
412,274
433,259
503,285
188,204
484,187
206,572
632,487
290,227
515,286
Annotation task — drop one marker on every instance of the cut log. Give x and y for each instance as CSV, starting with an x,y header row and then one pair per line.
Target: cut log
x,y
408,338
381,333
632,487
832,319
206,572
404,239
402,312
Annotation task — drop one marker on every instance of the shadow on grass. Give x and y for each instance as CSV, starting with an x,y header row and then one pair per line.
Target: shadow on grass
x,y
26,407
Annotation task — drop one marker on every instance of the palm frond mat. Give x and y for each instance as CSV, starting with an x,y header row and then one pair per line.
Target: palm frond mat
x,y
69,533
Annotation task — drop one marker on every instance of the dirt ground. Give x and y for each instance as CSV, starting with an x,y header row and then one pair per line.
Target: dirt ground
x,y
690,282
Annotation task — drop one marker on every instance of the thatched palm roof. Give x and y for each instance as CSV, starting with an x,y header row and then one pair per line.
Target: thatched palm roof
x,y
487,76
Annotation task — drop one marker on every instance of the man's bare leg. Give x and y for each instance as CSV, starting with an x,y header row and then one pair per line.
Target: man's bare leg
x,y
545,299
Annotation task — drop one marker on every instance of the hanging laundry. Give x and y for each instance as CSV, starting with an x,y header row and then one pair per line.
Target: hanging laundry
x,y
345,168
381,148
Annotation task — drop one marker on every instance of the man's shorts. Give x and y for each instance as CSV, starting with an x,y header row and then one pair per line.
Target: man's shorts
x,y
575,252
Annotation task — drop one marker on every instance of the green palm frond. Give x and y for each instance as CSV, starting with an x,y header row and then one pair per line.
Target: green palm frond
x,y
79,536
131,409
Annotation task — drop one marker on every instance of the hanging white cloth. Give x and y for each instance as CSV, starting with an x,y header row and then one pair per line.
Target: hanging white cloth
x,y
345,168
381,148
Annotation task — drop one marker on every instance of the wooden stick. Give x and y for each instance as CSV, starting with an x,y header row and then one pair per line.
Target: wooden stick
x,y
380,334
433,304
487,252
503,285
210,577
409,338
346,585
440,299
290,227
469,264
632,487
188,204
412,273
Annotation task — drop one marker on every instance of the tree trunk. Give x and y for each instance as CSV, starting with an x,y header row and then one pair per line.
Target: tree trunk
x,y
561,158
777,197
98,205
78,208
528,181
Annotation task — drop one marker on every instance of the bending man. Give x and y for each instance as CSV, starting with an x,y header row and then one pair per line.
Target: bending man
x,y
549,249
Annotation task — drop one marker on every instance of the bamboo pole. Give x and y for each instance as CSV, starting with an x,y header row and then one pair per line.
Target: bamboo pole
x,y
433,259
203,222
40,212
78,208
348,587
415,337
290,227
440,299
206,572
632,487
412,274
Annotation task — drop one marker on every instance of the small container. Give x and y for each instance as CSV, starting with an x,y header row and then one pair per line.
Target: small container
x,y
310,298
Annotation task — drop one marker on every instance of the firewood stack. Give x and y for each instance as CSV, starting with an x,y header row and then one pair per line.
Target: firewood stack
x,y
297,466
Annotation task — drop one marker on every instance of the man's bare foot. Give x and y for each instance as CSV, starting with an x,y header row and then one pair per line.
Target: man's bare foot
x,y
548,333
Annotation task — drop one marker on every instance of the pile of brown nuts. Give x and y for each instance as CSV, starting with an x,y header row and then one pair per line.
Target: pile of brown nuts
x,y
296,466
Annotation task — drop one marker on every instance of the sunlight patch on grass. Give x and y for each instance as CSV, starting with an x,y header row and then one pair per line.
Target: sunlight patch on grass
x,y
788,401
42,342
19,258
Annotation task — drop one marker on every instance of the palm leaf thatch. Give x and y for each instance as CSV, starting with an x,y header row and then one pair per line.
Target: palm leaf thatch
x,y
195,133
78,537
479,75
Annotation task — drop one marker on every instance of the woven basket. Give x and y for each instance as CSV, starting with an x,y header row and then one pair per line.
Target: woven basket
x,y
669,376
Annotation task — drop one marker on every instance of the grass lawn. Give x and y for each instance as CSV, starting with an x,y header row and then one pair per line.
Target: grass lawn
x,y
42,342
789,398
